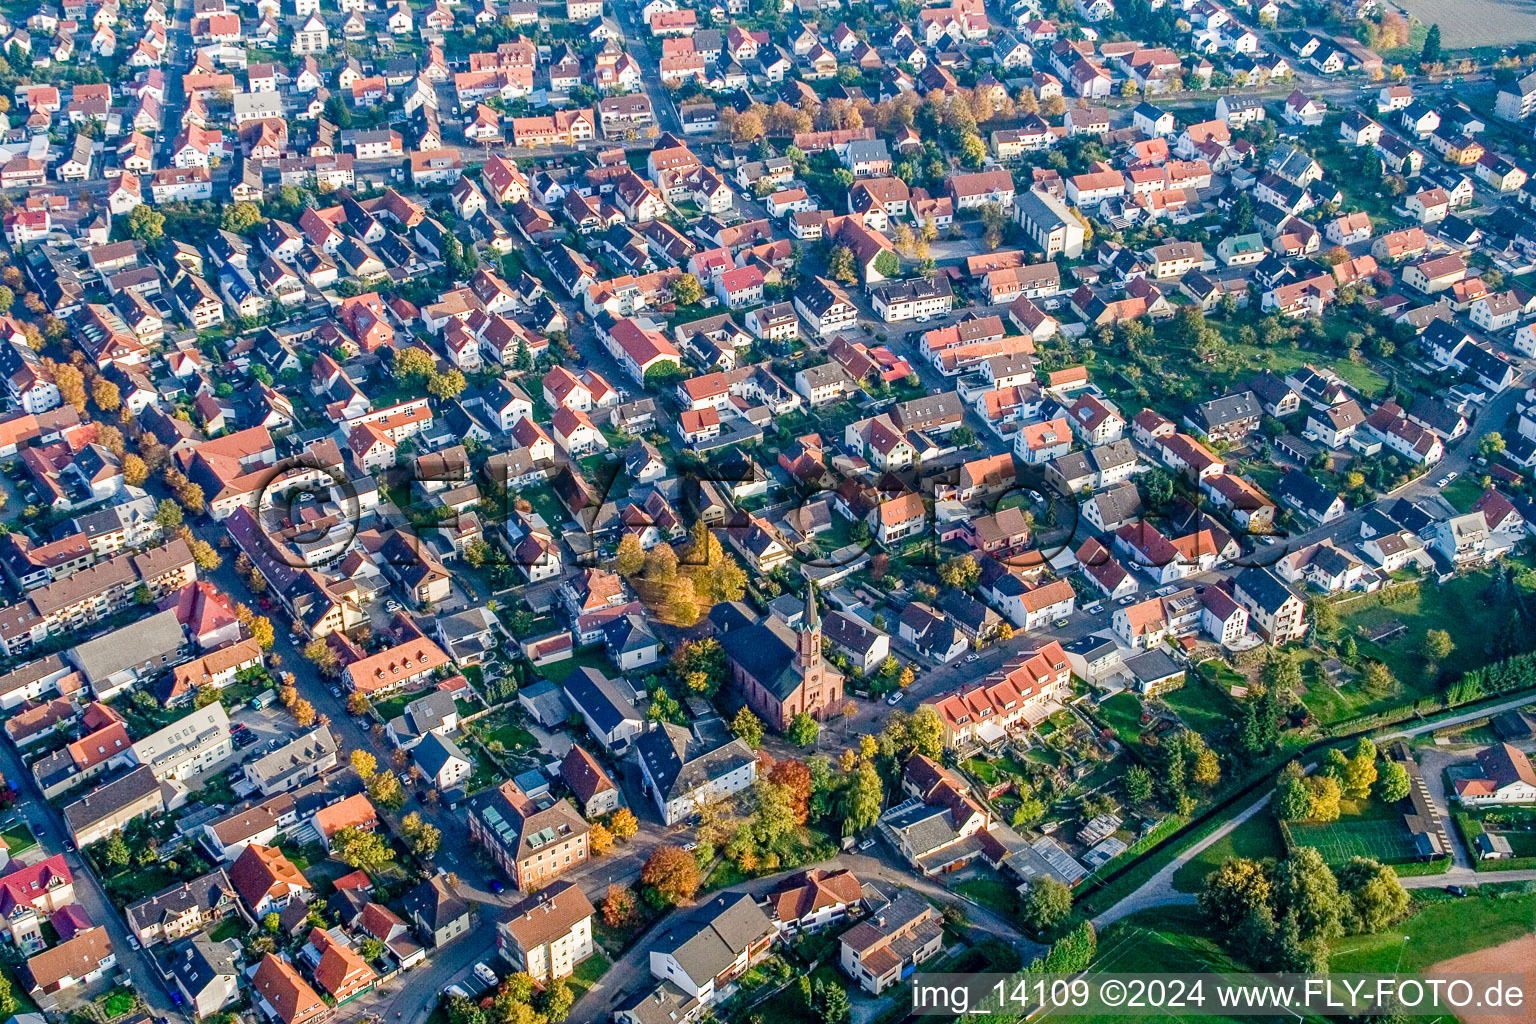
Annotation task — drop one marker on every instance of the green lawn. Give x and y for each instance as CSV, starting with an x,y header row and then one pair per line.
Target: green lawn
x,y
588,972
1167,939
1437,930
594,657
1462,492
996,896
1122,713
1458,606
18,838
1256,838
1202,705
231,927
393,707
117,1002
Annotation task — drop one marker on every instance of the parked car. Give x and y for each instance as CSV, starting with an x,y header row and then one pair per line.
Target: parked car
x,y
485,974
496,886
895,698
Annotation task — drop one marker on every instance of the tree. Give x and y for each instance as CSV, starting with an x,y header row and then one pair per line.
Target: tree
x,y
167,514
1293,800
794,778
206,558
262,633
1431,54
864,799
687,291
1491,444
1138,784
385,790
618,906
361,848
1437,645
71,384
135,472
324,658
973,152
556,1001
363,763
147,225
1392,781
8,1002
422,837
1360,772
961,572
831,1003
672,873
241,217
841,266
661,564
357,703
803,730
623,823
116,850
599,839
1377,680
1323,793
304,714
1047,904
747,727
106,395
1307,891
630,557
412,364
1234,891
446,385
371,948
272,922
1375,896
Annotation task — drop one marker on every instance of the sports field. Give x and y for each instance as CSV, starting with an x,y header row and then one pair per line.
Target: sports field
x,y
1388,840
1168,939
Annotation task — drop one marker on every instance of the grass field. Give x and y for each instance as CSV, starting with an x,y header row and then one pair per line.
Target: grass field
x,y
1337,841
1201,704
1168,939
1122,713
1468,23
1438,930
1457,606
1256,838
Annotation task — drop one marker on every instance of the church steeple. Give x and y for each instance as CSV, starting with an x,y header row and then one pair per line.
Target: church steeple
x,y
809,652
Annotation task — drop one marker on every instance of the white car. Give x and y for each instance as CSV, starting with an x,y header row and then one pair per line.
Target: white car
x,y
485,974
1447,479
895,698
455,990
866,844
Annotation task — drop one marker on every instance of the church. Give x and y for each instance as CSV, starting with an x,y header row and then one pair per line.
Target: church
x,y
778,667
